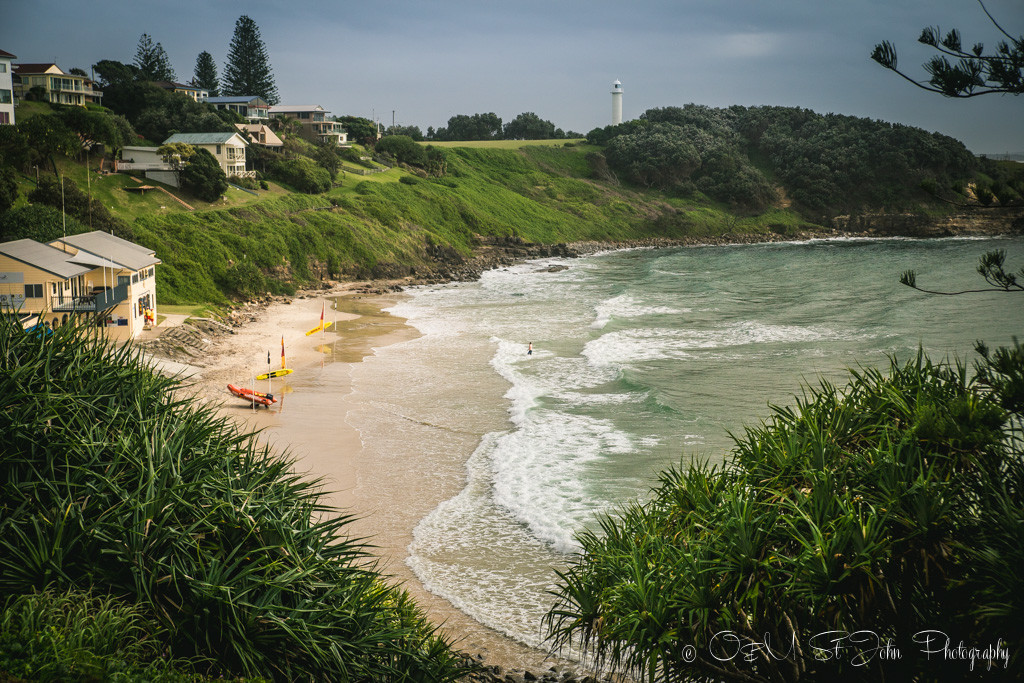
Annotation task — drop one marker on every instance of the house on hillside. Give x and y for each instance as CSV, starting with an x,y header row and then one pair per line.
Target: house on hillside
x,y
251,108
227,148
196,93
6,88
147,162
108,280
57,87
260,134
315,125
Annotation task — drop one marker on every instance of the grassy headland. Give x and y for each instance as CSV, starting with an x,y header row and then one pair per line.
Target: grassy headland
x,y
377,226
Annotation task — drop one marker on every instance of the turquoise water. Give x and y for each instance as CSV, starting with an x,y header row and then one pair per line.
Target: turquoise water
x,y
641,359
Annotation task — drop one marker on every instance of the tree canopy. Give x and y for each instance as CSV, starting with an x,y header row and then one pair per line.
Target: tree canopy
x,y
205,75
825,164
203,176
248,70
973,71
476,127
359,130
529,126
152,61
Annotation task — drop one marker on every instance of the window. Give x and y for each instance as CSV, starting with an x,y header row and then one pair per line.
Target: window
x,y
5,96
33,291
218,150
5,117
3,68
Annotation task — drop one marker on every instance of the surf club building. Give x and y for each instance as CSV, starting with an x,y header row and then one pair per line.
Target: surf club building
x,y
106,279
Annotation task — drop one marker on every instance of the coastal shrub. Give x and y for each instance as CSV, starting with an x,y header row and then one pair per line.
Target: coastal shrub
x,y
409,180
885,516
38,222
203,176
403,148
69,198
112,482
301,173
73,635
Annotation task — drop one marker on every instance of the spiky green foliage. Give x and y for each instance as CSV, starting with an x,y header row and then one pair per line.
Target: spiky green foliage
x,y
854,519
73,635
206,74
110,481
974,70
152,60
248,70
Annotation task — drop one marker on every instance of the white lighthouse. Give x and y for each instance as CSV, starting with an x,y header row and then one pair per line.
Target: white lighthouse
x,y
616,103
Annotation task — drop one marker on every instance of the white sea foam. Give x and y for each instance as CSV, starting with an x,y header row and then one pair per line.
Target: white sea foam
x,y
647,344
626,306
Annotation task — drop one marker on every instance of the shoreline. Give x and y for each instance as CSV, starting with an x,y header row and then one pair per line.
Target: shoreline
x,y
354,482
349,484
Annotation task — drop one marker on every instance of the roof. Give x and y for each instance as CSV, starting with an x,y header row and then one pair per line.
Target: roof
x,y
204,138
178,86
37,68
8,55
106,246
236,99
294,108
43,257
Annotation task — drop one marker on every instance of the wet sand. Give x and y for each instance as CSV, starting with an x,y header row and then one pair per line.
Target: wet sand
x,y
388,493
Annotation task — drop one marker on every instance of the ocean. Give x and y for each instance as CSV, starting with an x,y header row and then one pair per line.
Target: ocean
x,y
641,359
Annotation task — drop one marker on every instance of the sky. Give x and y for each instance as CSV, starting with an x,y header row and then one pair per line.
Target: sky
x,y
419,62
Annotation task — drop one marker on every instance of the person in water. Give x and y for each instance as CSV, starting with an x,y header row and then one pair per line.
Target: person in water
x,y
529,349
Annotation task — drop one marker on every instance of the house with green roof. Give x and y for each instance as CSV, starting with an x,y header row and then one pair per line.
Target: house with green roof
x,y
227,148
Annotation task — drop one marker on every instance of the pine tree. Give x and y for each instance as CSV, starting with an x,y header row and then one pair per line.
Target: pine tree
x,y
248,68
153,63
206,74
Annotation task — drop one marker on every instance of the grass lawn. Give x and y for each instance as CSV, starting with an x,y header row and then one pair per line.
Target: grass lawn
x,y
504,144
191,310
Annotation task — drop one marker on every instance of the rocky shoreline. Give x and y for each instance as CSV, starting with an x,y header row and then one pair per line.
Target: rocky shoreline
x,y
499,252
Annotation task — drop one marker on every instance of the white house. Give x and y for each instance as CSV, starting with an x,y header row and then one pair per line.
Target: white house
x,y
146,161
227,148
6,88
316,127
252,108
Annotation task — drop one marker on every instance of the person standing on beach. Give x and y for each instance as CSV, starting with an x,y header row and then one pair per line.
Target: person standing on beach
x,y
529,349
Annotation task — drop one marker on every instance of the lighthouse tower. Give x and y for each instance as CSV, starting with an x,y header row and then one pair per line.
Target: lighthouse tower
x,y
616,103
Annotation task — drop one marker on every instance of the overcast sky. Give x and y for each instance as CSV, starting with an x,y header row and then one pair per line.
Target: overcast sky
x,y
429,60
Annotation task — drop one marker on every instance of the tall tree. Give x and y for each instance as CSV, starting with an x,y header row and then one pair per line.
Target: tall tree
x,y
974,72
152,61
248,69
206,74
359,129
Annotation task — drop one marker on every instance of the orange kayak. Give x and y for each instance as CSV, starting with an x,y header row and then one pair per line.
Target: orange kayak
x,y
258,397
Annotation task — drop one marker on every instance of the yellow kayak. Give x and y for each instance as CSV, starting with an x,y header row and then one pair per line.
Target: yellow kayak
x,y
319,327
275,373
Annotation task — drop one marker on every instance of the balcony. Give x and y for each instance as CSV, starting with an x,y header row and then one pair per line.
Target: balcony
x,y
100,300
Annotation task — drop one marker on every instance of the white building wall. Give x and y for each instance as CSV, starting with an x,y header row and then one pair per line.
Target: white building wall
x,y
6,92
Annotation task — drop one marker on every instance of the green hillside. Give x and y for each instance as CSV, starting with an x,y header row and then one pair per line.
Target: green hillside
x,y
674,173
378,226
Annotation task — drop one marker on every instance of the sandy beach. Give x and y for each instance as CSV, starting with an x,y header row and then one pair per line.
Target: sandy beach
x,y
387,493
